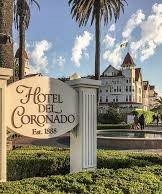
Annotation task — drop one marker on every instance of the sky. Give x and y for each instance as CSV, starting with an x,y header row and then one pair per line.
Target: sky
x,y
57,47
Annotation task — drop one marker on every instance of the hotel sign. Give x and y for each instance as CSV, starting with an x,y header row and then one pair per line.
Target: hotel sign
x,y
41,107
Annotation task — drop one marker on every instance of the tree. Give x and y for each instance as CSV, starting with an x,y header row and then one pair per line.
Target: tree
x,y
6,44
158,107
22,20
82,10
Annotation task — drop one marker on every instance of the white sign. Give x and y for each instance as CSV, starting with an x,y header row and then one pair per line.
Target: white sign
x,y
41,107
130,119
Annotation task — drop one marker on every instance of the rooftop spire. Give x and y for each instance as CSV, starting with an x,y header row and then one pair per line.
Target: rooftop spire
x,y
128,61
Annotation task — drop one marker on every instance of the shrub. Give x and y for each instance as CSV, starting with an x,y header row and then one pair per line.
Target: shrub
x,y
147,114
113,116
121,181
37,161
119,173
44,161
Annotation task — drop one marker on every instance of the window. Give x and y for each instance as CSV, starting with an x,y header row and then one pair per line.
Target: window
x,y
106,98
130,88
115,90
116,98
130,98
101,99
130,80
140,90
127,81
100,91
106,90
126,88
126,98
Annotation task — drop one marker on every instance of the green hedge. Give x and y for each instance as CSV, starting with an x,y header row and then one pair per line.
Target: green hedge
x,y
37,161
110,126
118,173
121,181
44,161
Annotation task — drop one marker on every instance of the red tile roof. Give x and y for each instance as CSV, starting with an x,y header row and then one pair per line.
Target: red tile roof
x,y
128,61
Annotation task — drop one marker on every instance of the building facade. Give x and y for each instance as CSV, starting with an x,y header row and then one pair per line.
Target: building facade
x,y
125,88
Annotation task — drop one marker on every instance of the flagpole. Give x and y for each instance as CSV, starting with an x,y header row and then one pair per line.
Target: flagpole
x,y
128,47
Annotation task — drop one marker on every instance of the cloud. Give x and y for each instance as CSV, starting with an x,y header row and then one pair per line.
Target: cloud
x,y
151,34
114,57
143,46
38,56
135,20
112,28
109,41
60,61
80,46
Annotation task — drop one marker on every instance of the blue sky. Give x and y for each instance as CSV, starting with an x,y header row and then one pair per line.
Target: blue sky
x,y
58,47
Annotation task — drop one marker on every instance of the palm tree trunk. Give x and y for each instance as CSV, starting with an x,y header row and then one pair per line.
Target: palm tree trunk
x,y
21,48
97,35
6,44
97,50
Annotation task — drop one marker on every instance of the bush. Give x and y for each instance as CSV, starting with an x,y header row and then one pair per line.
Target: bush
x,y
44,161
121,181
147,114
37,161
113,116
118,173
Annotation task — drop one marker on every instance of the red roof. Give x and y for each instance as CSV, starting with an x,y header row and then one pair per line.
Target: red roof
x,y
128,61
137,73
17,54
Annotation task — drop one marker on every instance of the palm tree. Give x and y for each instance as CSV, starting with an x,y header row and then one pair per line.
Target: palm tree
x,y
159,103
22,20
6,46
82,10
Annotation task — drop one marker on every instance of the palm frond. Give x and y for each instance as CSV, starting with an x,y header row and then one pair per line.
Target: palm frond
x,y
82,10
22,10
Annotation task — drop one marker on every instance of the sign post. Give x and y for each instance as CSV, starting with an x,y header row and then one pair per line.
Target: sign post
x,y
5,75
83,141
43,108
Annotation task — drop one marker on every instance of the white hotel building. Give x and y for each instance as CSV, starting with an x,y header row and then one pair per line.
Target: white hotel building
x,y
125,88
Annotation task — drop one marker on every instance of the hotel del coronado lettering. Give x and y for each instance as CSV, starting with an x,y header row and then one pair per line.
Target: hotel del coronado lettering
x,y
41,107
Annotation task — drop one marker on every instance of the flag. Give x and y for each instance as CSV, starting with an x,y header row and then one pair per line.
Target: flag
x,y
123,45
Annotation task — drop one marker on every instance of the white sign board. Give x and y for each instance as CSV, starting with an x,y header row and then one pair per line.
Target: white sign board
x,y
41,107
130,119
